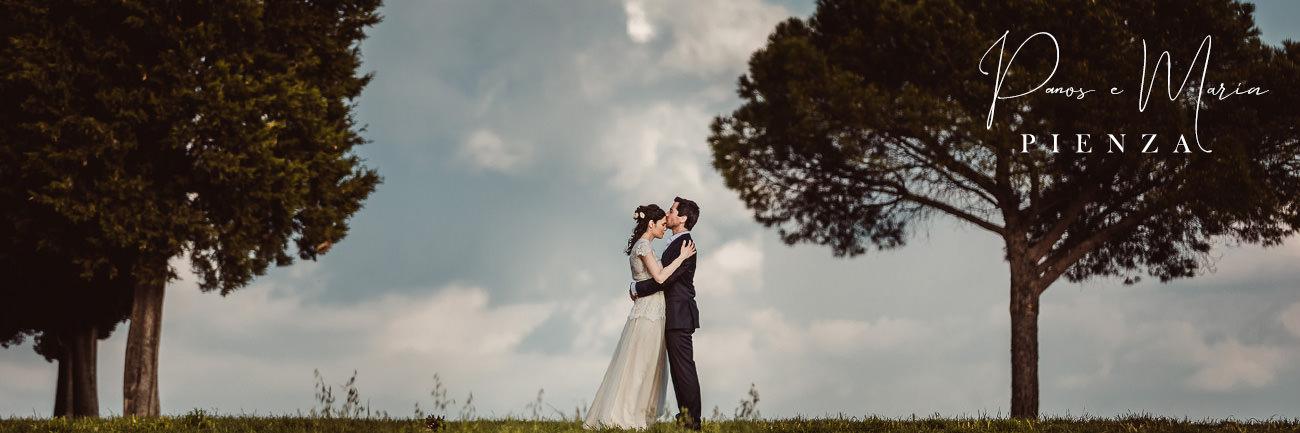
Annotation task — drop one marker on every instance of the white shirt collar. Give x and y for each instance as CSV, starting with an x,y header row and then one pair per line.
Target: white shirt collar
x,y
675,236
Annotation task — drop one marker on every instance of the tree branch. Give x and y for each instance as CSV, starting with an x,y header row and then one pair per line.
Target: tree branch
x,y
1063,259
945,207
941,156
947,174
1040,248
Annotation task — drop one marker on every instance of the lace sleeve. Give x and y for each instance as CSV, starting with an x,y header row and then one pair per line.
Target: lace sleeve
x,y
641,248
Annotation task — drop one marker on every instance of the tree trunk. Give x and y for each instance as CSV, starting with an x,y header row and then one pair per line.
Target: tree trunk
x,y
81,347
63,389
1024,350
140,380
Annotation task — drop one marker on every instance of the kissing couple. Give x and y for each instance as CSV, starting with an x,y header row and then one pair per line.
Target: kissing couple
x,y
657,335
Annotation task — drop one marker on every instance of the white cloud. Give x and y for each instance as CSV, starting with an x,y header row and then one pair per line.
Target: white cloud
x,y
709,39
456,321
836,336
842,335
734,266
1229,364
660,151
713,36
257,347
728,359
24,378
583,277
656,147
486,150
638,26
706,39
874,364
1290,319
599,320
1123,340
659,143
775,334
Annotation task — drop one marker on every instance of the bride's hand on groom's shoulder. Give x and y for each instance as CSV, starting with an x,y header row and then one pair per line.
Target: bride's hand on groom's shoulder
x,y
688,249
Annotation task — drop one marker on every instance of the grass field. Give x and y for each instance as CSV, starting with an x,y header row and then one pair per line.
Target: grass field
x,y
354,415
199,421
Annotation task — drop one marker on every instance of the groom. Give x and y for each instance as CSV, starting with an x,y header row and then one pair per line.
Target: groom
x,y
683,317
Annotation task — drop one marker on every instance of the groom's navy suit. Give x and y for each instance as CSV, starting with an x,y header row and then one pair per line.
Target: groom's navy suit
x,y
683,317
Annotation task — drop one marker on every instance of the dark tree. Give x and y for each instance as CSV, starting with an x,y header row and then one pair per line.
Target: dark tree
x,y
137,132
871,115
66,315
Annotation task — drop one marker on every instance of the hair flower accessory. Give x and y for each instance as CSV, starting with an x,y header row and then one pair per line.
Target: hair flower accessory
x,y
638,215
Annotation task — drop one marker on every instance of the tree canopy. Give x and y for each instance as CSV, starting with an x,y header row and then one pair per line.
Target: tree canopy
x,y
870,114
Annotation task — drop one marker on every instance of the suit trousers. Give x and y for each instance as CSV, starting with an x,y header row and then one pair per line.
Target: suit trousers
x,y
686,383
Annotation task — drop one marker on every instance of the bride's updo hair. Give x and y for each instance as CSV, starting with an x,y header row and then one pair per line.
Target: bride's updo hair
x,y
643,216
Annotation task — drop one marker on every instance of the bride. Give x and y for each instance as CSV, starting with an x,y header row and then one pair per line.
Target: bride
x,y
632,393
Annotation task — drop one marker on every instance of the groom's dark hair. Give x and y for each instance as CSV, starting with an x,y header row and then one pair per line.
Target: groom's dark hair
x,y
689,209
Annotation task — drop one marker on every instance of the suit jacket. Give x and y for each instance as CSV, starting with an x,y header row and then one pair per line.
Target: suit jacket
x,y
678,288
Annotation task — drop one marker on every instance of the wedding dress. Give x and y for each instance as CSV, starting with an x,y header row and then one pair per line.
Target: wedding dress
x,y
632,393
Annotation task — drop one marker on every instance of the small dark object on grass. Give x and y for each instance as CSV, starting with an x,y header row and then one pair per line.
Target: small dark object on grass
x,y
435,423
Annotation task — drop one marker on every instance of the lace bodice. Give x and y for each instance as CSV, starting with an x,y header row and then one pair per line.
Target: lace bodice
x,y
640,248
651,306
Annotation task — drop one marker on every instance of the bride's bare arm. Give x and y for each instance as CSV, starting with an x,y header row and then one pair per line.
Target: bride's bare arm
x,y
660,273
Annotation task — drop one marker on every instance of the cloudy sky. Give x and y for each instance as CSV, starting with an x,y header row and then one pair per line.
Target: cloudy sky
x,y
516,137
